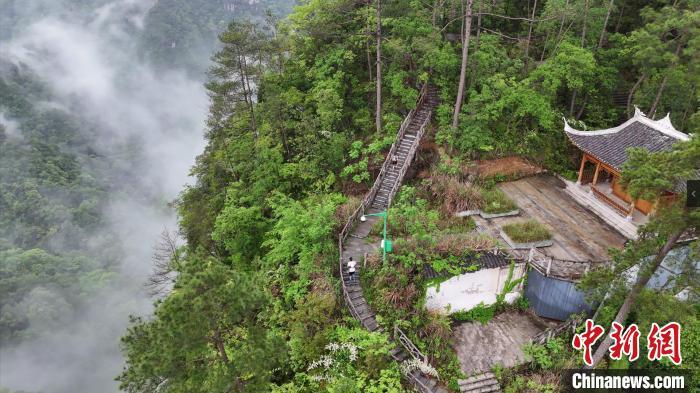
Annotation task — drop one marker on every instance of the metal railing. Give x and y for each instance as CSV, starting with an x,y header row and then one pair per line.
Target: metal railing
x,y
415,353
544,264
367,201
409,157
408,345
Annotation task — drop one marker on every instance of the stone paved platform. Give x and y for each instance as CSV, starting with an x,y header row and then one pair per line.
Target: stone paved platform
x,y
479,347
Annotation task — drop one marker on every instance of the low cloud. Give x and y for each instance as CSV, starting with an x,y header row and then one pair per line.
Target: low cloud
x,y
88,59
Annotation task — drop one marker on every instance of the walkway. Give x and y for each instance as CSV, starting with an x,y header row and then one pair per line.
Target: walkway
x,y
353,241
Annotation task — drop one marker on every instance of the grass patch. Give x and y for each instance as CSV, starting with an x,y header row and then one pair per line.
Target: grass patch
x,y
480,313
496,201
527,231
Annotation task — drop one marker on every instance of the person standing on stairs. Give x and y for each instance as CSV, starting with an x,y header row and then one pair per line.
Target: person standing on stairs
x,y
394,160
351,269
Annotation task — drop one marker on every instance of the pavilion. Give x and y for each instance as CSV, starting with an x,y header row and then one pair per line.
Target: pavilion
x,y
605,152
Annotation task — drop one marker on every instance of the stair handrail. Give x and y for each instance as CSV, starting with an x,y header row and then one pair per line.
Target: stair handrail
x,y
410,347
369,197
409,157
366,204
419,384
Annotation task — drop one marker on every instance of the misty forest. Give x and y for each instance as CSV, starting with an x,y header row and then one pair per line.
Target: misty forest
x,y
175,176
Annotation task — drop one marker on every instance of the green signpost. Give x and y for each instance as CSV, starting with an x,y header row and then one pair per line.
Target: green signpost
x,y
387,245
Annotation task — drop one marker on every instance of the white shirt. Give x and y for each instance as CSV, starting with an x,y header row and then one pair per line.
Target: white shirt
x,y
351,266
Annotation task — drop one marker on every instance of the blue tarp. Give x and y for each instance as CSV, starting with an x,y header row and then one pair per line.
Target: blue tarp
x,y
553,298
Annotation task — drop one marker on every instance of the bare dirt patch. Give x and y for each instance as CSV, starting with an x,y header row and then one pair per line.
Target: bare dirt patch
x,y
511,167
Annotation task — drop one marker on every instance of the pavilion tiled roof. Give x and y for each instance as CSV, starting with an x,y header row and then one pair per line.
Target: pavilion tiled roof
x,y
610,145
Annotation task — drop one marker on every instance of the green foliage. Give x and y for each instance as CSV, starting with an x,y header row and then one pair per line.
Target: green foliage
x,y
550,355
479,313
508,286
522,303
265,197
212,316
527,231
301,233
523,384
496,201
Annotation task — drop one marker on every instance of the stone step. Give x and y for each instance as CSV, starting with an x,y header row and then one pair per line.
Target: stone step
x,y
371,325
398,354
477,378
481,383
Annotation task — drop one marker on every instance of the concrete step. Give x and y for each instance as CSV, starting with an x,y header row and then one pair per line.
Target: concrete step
x,y
481,383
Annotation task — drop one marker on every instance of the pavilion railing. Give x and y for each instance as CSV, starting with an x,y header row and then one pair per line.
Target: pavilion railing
x,y
624,210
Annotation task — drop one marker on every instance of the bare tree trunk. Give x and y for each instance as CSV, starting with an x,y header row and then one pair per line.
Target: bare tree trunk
x,y
378,118
687,110
631,93
583,107
475,65
657,99
619,19
585,24
605,24
561,24
544,47
250,98
583,45
465,58
529,34
437,5
600,44
369,52
654,105
219,343
642,281
247,93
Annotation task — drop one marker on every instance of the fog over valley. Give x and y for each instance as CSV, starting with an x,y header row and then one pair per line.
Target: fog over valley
x,y
98,140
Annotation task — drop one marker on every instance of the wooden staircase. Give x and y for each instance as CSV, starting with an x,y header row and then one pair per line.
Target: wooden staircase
x,y
352,240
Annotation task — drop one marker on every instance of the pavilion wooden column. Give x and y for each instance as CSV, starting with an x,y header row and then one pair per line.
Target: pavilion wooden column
x,y
580,170
631,212
595,175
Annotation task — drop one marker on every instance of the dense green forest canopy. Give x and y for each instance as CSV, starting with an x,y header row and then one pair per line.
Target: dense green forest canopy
x,y
292,142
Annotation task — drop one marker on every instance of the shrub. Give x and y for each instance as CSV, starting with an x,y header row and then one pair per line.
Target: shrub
x,y
527,231
480,312
463,243
550,355
452,224
496,201
343,211
522,303
454,194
